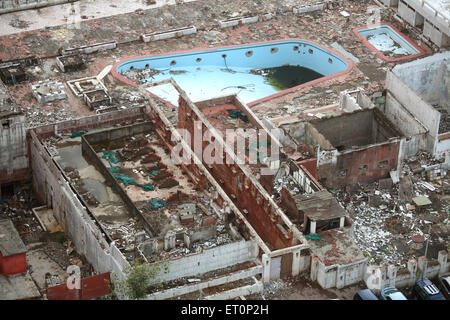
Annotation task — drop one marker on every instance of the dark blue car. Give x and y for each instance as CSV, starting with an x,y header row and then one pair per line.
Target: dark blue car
x,y
424,289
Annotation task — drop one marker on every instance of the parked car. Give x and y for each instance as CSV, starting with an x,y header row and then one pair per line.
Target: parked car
x,y
365,294
444,285
424,289
392,293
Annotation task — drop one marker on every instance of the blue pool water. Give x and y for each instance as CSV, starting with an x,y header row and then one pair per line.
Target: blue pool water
x,y
251,71
387,40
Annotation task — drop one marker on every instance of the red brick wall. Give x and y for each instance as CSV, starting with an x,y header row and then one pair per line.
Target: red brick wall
x,y
17,175
259,215
310,165
379,161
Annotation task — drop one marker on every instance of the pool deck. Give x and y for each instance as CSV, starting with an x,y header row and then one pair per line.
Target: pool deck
x,y
324,27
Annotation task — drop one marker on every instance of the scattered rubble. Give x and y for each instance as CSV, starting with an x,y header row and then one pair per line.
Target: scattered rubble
x,y
385,222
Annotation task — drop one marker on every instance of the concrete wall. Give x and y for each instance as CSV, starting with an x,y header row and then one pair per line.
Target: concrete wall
x,y
430,11
337,276
52,188
443,145
409,14
428,77
110,135
217,281
211,259
417,106
13,149
415,132
305,133
378,278
341,131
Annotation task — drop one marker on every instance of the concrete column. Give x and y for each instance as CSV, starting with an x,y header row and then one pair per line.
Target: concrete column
x,y
442,259
340,278
341,222
421,263
169,240
382,276
296,262
266,268
313,227
412,267
392,274
314,268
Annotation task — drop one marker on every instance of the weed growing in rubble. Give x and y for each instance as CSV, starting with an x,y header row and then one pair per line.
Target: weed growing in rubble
x,y
137,278
61,238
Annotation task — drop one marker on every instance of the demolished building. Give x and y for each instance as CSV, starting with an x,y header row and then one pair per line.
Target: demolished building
x,y
330,161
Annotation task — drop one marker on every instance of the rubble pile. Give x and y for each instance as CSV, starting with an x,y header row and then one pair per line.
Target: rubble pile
x,y
287,182
140,75
38,116
124,234
17,206
386,217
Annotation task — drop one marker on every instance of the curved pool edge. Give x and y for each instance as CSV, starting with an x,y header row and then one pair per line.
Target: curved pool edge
x,y
422,50
350,65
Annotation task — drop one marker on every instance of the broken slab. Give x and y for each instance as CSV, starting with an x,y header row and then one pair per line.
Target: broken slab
x,y
168,34
91,48
306,9
238,21
18,287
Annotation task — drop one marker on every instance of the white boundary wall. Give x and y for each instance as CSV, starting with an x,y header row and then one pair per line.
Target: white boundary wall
x,y
211,259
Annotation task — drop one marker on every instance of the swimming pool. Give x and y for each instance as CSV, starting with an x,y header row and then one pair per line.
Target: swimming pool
x,y
255,72
389,43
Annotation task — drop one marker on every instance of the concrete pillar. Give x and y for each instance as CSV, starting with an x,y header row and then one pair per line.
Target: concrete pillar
x,y
313,227
341,222
382,276
169,240
296,262
340,278
421,263
372,278
442,259
266,268
392,274
412,267
314,268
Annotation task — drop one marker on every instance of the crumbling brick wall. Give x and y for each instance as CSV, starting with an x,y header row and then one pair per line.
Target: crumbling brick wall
x,y
361,166
245,195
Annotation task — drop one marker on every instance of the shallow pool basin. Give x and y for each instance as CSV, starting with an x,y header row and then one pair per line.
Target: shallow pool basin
x,y
255,72
389,43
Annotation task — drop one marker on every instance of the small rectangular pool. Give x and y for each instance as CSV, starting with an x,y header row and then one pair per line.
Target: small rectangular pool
x,y
389,43
256,72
